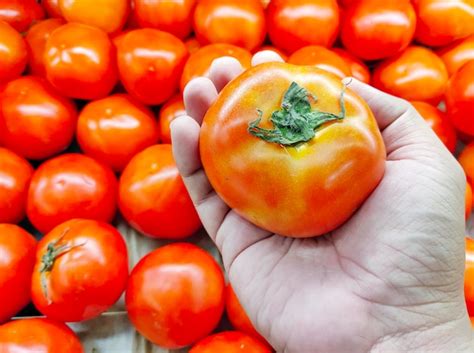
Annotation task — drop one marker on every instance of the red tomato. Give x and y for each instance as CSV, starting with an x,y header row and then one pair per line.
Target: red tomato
x,y
71,186
466,158
15,176
38,335
415,74
469,276
374,29
440,22
13,53
293,24
20,14
468,200
192,44
457,54
80,61
273,49
35,121
439,122
52,8
200,62
150,63
230,342
184,301
358,69
18,249
153,198
168,112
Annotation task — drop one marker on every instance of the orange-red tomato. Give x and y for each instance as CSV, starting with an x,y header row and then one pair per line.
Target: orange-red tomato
x,y
150,63
440,22
293,24
71,186
323,165
457,54
374,29
230,342
153,198
200,62
321,58
184,301
15,176
237,22
468,200
275,50
469,276
192,44
358,69
18,249
466,159
52,8
20,14
168,112
80,61
415,74
13,53
35,120
439,122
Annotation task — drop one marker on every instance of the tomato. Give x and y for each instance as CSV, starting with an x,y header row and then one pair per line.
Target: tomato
x,y
374,29
20,14
358,69
469,276
439,122
38,335
52,8
275,50
200,62
457,54
13,53
169,111
192,44
468,200
71,186
321,170
415,74
15,176
293,24
184,301
35,120
321,58
230,342
460,99
466,159
150,63
18,249
80,61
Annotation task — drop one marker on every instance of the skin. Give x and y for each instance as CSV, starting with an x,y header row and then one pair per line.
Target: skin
x,y
457,54
168,112
358,69
230,342
13,53
466,159
20,14
273,49
392,265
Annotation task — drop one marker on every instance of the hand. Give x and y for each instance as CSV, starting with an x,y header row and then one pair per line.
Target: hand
x,y
389,280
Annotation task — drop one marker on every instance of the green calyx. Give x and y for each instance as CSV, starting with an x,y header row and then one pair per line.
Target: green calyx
x,y
295,122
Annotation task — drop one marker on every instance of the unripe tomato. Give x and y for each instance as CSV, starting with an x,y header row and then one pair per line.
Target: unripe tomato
x,y
466,159
168,112
13,53
358,69
52,8
20,14
230,342
457,54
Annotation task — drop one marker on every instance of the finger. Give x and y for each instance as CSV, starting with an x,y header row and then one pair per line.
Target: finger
x,y
266,56
198,96
223,70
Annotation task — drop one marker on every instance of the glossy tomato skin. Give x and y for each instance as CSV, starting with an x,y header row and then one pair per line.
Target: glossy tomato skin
x,y
230,342
52,8
374,29
71,186
466,159
150,63
185,300
80,61
15,176
292,24
35,120
225,144
469,276
13,53
358,69
18,249
168,112
20,14
468,200
457,54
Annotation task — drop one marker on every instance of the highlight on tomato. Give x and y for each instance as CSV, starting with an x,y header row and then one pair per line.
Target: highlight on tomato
x,y
230,342
469,276
20,14
358,69
466,159
457,54
173,108
13,53
52,8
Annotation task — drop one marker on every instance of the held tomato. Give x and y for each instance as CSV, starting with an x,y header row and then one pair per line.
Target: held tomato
x,y
52,8
80,61
35,121
18,250
13,53
150,63
175,295
468,200
230,342
293,24
153,198
469,276
20,14
358,69
457,54
319,175
71,186
466,159
170,111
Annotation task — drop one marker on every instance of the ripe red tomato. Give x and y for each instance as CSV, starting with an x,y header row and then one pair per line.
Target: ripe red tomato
x,y
321,58
13,53
150,63
469,276
52,8
457,54
374,29
293,24
460,99
466,159
468,200
184,301
80,61
415,74
230,342
192,44
439,122
35,120
71,186
20,14
358,69
174,17
319,163
15,176
200,62
440,22
169,111
38,335
18,249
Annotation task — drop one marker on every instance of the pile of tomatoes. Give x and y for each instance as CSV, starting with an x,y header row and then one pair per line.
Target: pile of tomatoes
x,y
88,89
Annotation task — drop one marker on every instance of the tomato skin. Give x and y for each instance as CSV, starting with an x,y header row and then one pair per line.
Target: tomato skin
x,y
80,61
20,14
185,299
468,200
170,111
469,276
192,44
35,120
15,176
457,54
358,69
225,144
230,342
13,53
292,23
466,159
52,8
